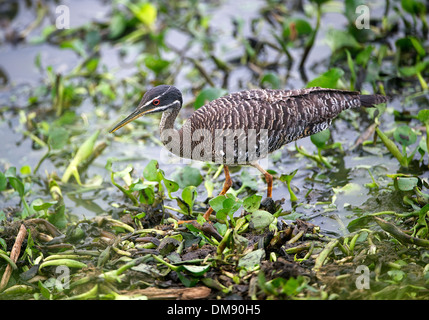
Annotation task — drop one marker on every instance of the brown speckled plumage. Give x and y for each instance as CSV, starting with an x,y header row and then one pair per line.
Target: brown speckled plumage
x,y
262,120
287,115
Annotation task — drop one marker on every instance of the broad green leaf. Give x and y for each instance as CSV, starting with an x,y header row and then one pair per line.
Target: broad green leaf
x,y
338,39
406,183
156,64
57,137
187,176
217,202
252,203
261,219
251,260
150,172
319,139
189,194
17,184
329,79
423,115
146,12
117,26
39,205
207,95
405,135
272,79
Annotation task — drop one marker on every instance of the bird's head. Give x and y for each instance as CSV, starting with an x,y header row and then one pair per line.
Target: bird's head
x,y
157,99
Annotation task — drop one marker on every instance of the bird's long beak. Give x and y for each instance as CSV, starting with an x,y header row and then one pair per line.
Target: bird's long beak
x,y
134,115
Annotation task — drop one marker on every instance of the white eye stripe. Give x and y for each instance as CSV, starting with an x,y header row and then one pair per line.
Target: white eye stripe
x,y
163,108
157,97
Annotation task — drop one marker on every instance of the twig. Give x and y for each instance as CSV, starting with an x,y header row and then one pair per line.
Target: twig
x,y
14,254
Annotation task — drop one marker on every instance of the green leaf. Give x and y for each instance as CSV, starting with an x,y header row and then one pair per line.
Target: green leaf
x,y
39,205
150,172
251,260
405,135
189,195
406,183
301,26
252,203
329,79
187,176
196,270
156,64
338,39
146,12
3,181
423,115
207,95
17,184
57,137
117,26
272,79
413,6
217,202
58,218
321,138
261,219
170,185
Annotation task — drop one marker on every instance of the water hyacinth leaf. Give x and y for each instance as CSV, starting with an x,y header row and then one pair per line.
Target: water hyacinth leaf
x,y
406,183
260,219
413,6
39,205
251,260
321,138
413,70
150,172
272,80
217,203
423,116
252,203
17,184
207,95
145,12
328,79
338,39
170,185
405,135
58,217
189,195
298,26
187,176
57,137
156,64
117,26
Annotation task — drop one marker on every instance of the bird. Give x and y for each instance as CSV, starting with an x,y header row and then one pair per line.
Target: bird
x,y
245,126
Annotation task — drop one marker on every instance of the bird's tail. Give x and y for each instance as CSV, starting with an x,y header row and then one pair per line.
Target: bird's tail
x,y
371,100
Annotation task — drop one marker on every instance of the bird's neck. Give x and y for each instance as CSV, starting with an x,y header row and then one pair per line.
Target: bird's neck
x,y
170,137
167,120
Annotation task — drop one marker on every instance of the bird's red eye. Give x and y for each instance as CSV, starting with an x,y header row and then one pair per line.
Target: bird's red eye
x,y
155,102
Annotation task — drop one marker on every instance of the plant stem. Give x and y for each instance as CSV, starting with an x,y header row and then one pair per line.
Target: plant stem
x,y
313,37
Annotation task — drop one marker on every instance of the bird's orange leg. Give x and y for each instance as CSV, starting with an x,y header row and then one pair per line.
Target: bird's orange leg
x,y
227,184
268,179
